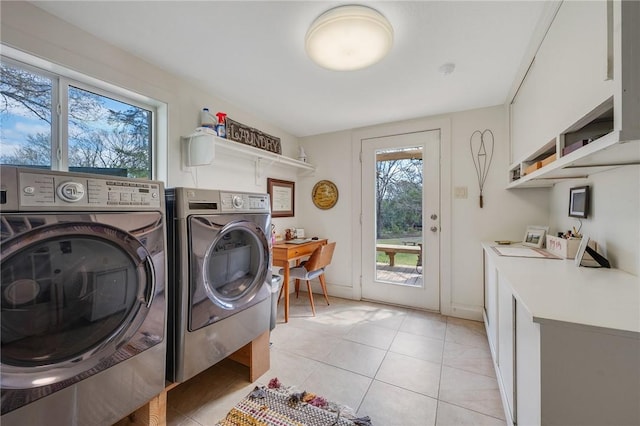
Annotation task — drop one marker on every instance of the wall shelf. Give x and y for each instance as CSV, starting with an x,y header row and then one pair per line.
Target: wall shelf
x,y
264,157
263,160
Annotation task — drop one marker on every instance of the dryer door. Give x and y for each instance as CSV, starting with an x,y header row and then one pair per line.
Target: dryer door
x,y
73,294
229,268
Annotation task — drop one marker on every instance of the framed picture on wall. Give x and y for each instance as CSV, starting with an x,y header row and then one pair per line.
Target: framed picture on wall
x,y
579,201
282,194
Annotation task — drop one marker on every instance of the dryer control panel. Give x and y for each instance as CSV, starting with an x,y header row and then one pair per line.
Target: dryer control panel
x,y
49,190
244,202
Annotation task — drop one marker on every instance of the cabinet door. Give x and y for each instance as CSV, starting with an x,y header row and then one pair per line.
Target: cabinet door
x,y
567,79
506,342
491,303
527,368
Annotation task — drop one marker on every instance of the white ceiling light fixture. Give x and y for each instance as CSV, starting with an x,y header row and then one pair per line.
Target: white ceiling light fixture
x,y
349,38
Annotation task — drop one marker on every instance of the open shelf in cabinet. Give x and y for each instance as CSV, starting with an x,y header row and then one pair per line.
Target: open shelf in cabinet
x,y
589,146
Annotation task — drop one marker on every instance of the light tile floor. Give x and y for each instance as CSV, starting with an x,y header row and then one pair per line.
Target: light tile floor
x,y
399,366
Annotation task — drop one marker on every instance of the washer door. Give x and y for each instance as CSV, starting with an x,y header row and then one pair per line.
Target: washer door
x,y
72,294
229,267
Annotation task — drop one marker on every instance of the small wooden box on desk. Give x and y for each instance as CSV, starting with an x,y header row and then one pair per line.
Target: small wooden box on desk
x,y
565,248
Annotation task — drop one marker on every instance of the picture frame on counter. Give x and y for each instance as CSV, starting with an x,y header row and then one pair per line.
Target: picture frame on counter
x,y
584,242
588,255
282,197
579,202
535,236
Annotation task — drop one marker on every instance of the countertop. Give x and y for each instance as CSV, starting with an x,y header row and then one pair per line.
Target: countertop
x,y
558,290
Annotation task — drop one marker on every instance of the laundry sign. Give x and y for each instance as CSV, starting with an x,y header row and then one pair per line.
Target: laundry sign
x,y
239,132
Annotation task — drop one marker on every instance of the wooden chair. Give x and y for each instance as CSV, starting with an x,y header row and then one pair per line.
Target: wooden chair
x,y
314,268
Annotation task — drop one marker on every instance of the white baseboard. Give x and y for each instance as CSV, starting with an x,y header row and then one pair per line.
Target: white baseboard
x,y
469,312
465,312
341,291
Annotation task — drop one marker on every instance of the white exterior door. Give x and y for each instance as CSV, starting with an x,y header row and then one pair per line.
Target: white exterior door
x,y
401,219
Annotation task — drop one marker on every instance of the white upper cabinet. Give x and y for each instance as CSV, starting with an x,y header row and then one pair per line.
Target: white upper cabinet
x,y
567,78
581,90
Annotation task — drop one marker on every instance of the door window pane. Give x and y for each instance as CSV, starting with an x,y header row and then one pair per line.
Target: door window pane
x,y
25,117
399,216
108,136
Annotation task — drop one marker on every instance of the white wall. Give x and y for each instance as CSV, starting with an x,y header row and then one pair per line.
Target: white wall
x,y
614,218
504,216
31,30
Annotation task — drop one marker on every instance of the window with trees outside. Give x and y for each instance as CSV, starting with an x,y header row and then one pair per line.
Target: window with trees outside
x,y
49,121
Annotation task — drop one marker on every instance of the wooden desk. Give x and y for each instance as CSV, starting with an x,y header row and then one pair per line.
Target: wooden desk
x,y
283,254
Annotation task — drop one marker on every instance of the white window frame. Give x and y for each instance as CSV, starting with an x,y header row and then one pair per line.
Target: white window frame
x,y
62,78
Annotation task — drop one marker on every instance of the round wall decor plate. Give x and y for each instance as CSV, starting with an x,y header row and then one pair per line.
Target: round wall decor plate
x,y
324,194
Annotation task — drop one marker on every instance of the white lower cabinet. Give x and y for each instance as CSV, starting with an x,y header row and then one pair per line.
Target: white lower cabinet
x,y
518,357
491,303
555,368
588,375
506,346
527,372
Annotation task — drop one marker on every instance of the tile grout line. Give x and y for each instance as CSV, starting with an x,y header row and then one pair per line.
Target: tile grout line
x,y
343,338
473,411
455,368
446,330
378,369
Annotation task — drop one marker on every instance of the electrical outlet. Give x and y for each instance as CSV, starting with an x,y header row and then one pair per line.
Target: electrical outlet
x,y
460,192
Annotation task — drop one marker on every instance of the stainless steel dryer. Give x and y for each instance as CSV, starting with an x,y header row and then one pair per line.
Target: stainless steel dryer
x,y
220,274
82,292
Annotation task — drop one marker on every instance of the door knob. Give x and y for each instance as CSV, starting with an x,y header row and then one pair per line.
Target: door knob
x,y
434,229
434,216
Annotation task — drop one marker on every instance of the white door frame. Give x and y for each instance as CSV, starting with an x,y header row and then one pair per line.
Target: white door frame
x,y
424,294
442,123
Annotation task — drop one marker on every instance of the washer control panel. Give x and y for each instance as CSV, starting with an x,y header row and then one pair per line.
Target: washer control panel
x,y
71,192
58,190
243,202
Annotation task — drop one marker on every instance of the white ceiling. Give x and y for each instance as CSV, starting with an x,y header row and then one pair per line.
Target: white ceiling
x,y
252,55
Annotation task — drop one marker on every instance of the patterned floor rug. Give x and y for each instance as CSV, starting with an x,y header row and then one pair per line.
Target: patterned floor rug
x,y
278,405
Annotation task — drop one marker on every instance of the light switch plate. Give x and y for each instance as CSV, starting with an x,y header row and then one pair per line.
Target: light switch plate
x,y
460,192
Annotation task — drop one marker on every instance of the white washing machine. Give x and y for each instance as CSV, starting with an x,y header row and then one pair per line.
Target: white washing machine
x,y
220,276
83,296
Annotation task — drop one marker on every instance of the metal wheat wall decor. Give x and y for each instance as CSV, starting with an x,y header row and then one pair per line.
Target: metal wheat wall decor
x,y
481,145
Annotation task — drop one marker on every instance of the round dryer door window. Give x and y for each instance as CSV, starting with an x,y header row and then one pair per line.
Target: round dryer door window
x,y
71,294
229,269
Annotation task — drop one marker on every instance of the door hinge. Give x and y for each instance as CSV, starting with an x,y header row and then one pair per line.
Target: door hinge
x,y
360,157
